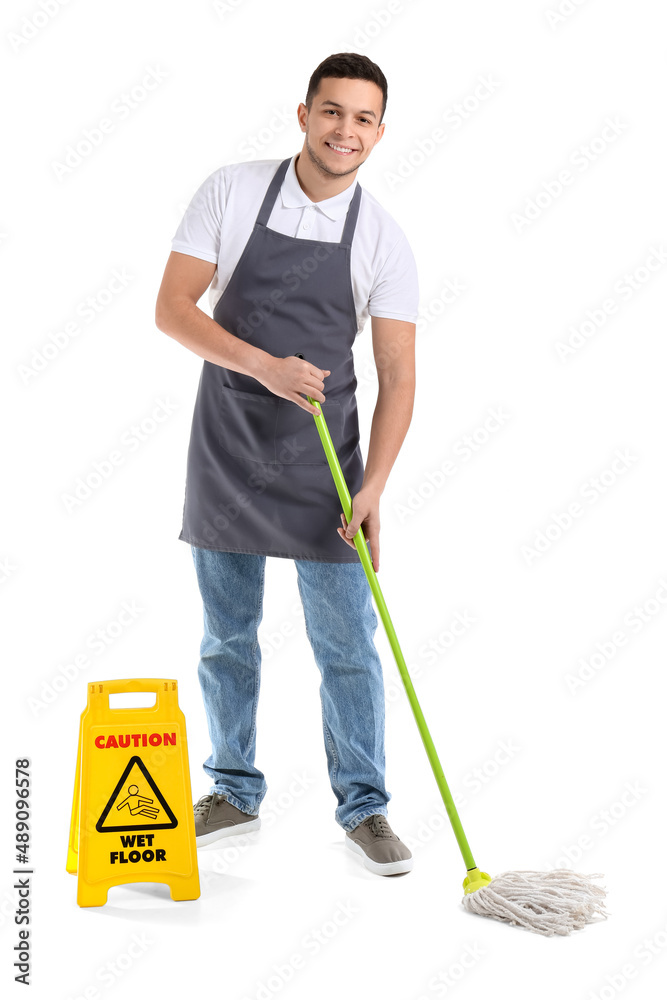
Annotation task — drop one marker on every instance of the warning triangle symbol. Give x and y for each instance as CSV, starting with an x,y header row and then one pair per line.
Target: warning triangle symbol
x,y
136,803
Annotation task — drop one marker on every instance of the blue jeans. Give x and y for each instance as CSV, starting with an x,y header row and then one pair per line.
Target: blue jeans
x,y
340,624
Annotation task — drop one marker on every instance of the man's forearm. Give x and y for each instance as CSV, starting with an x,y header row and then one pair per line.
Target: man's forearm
x,y
192,328
391,419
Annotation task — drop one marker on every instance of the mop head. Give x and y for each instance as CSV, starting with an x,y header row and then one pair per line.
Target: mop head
x,y
548,903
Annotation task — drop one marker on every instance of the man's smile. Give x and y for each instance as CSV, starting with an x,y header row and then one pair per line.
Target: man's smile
x,y
341,150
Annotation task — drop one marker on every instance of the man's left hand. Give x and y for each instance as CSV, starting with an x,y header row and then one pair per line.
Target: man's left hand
x,y
365,514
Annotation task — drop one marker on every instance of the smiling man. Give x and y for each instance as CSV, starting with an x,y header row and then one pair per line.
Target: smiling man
x,y
296,257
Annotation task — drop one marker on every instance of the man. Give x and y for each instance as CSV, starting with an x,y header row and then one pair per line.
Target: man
x,y
299,257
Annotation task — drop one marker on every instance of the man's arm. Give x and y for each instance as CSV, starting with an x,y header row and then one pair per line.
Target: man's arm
x,y
394,352
185,280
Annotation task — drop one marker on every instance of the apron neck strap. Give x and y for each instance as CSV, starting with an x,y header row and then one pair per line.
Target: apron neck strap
x,y
272,193
351,217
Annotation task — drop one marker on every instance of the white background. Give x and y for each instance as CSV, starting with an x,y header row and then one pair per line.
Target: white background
x,y
585,764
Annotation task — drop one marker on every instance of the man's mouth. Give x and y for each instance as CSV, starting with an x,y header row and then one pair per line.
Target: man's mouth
x,y
341,150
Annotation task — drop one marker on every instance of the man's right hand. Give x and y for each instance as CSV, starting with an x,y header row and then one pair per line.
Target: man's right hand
x,y
287,377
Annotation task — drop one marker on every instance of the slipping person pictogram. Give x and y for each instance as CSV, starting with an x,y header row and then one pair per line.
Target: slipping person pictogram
x,y
129,810
140,807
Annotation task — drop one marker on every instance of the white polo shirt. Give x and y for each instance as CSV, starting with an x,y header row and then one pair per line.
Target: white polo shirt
x,y
220,217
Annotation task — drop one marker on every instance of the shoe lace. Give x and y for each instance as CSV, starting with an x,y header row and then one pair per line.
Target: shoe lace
x,y
379,826
203,804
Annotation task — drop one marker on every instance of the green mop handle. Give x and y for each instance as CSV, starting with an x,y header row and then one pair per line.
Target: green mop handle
x,y
364,555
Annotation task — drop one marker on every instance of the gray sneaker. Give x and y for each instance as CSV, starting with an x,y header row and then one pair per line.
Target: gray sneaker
x,y
215,817
382,851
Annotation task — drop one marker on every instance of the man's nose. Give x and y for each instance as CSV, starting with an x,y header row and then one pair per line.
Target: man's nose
x,y
344,127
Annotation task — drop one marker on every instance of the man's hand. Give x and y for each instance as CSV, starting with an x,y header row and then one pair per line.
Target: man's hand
x,y
365,513
287,377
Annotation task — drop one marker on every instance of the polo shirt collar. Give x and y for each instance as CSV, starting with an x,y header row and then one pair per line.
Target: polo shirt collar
x,y
293,196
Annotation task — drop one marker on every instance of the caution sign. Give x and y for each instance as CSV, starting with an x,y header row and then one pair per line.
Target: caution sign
x,y
138,795
132,816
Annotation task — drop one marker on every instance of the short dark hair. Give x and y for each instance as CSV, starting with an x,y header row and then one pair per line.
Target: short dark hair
x,y
351,66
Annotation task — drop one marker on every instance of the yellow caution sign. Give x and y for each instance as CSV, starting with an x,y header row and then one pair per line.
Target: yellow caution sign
x,y
132,817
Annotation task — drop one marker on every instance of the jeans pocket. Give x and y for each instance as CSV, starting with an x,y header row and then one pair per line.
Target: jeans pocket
x,y
247,426
297,438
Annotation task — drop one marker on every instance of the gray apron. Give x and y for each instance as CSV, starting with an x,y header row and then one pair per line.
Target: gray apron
x,y
257,475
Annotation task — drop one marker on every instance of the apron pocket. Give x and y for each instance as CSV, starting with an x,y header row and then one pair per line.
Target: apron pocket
x,y
247,425
297,439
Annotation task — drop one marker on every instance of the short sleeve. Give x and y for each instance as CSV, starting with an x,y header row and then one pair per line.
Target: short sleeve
x,y
200,229
395,291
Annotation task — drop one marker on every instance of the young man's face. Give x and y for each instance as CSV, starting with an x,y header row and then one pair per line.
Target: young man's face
x,y
344,113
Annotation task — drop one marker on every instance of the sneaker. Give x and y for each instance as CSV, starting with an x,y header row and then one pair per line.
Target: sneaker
x,y
383,852
215,817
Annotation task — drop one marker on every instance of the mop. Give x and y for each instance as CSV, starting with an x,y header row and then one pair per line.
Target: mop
x,y
548,903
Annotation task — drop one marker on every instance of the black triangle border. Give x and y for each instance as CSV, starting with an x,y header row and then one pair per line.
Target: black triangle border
x,y
147,826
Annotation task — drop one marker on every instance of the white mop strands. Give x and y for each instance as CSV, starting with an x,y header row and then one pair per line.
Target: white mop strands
x,y
555,902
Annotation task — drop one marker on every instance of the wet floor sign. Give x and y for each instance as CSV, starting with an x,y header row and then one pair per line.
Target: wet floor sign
x,y
132,817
